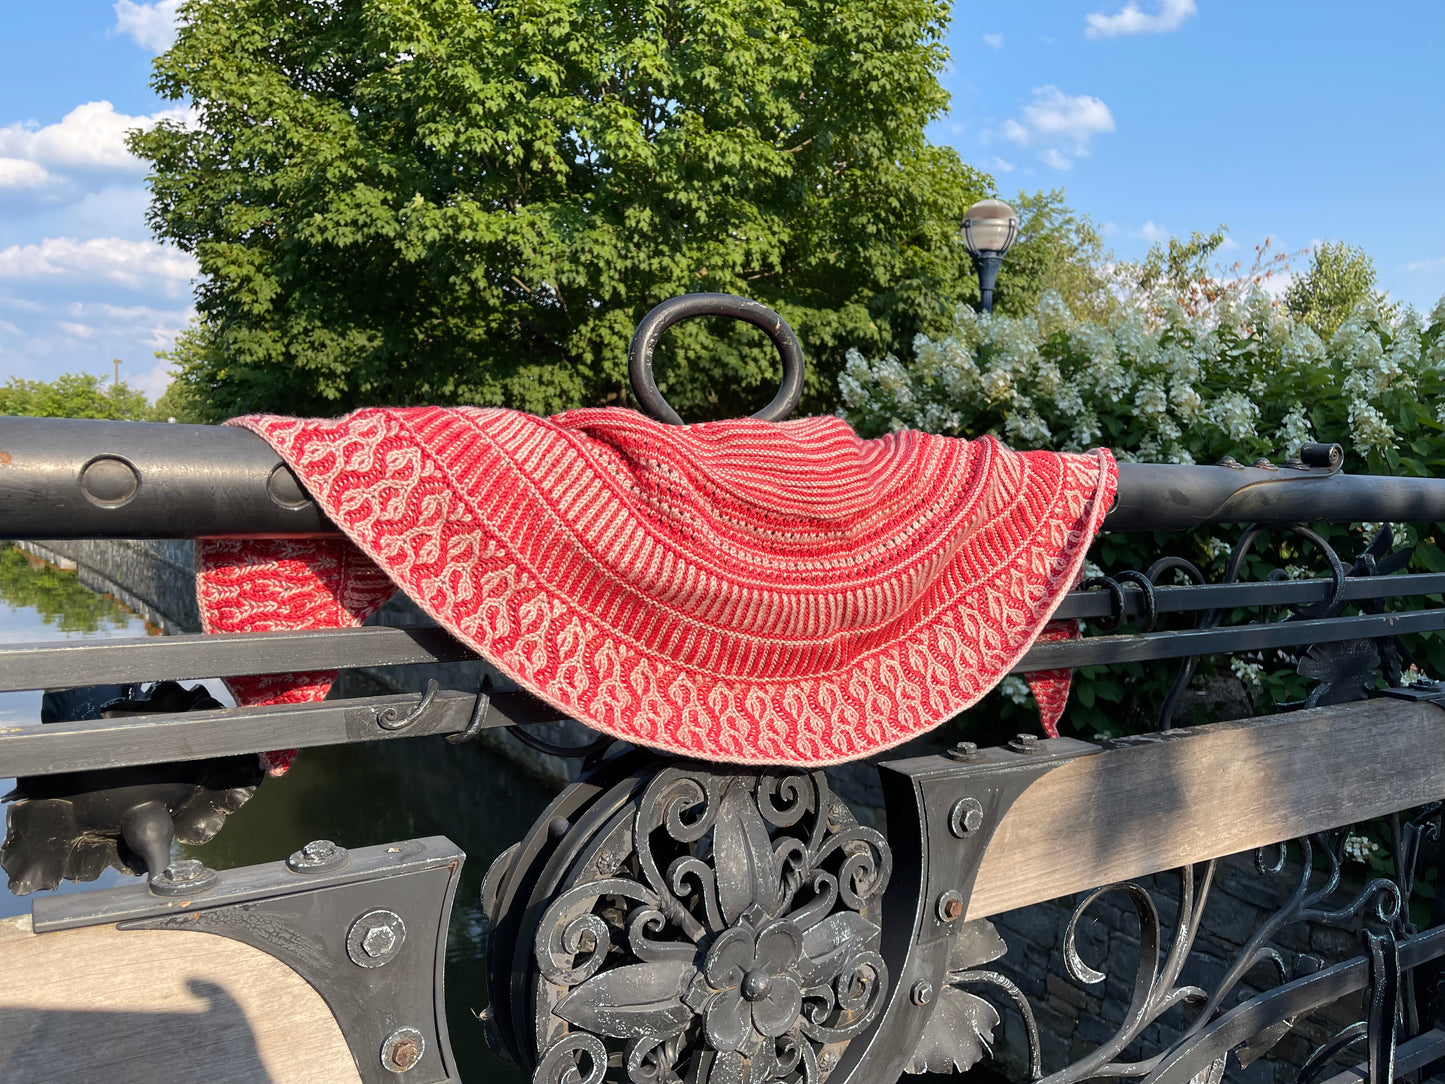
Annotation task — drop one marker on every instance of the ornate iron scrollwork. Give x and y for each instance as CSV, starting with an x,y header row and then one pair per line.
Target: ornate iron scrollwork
x,y
717,927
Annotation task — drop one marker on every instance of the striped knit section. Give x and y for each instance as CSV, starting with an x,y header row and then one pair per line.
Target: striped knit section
x,y
741,591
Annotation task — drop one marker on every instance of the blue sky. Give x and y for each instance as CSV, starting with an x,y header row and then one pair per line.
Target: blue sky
x,y
1296,120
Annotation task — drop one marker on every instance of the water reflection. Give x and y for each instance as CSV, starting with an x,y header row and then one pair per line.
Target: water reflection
x,y
32,590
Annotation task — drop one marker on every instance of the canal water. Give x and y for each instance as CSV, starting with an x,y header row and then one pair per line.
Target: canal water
x,y
356,795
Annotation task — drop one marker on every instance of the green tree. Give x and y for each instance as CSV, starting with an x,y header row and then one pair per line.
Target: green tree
x,y
183,400
1340,277
457,201
73,395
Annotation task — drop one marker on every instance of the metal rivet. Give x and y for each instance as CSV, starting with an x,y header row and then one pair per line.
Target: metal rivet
x,y
375,938
318,856
109,481
402,1050
964,750
558,827
966,816
922,993
950,907
184,877
284,489
1025,743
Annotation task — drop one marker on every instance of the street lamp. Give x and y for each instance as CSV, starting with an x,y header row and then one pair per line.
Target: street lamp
x,y
989,228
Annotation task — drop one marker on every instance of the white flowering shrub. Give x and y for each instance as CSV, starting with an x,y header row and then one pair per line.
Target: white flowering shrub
x,y
1161,385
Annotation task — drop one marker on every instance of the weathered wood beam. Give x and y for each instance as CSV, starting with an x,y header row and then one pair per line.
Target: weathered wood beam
x,y
1162,801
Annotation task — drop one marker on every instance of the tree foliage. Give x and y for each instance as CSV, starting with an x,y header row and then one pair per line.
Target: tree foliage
x,y
457,201
58,596
73,395
1339,278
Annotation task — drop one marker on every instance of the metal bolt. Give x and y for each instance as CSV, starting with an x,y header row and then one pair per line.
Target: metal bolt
x,y
185,877
318,856
826,1060
964,750
402,1050
922,992
1025,743
966,816
558,827
375,938
950,907
379,941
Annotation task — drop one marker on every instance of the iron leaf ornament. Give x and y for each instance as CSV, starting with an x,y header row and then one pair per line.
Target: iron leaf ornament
x,y
721,928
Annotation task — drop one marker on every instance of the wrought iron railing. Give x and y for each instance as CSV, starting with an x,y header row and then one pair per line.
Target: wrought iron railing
x,y
668,920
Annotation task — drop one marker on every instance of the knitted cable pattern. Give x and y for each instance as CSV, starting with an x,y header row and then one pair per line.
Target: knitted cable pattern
x,y
740,591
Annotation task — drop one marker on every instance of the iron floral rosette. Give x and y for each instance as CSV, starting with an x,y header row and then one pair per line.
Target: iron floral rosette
x,y
723,928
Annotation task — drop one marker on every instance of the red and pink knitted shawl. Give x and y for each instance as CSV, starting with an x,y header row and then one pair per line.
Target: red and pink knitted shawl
x,y
739,591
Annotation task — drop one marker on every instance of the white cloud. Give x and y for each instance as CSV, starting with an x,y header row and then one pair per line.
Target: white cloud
x,y
1426,265
1060,125
18,173
133,264
46,339
90,136
150,25
1153,232
1131,20
998,165
993,41
154,380
1229,244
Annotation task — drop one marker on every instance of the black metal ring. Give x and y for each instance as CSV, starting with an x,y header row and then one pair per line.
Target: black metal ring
x,y
1116,592
677,309
1151,603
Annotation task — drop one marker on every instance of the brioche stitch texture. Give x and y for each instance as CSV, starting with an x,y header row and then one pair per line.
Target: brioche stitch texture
x,y
740,591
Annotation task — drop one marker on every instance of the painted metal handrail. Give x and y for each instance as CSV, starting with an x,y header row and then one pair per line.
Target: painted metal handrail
x,y
72,478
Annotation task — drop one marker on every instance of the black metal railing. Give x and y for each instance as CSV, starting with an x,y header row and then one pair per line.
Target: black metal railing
x,y
667,920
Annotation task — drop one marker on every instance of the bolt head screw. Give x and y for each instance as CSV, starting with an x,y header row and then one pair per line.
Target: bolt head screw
x,y
402,1050
375,938
922,993
183,877
964,750
966,816
1025,743
950,907
379,941
318,856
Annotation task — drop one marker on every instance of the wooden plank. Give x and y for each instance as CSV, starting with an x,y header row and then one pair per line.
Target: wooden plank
x,y
1162,801
100,1004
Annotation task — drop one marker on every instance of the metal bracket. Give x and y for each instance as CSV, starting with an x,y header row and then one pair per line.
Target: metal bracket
x,y
369,934
942,813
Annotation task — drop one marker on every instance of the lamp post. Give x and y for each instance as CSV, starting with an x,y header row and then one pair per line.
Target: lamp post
x,y
989,228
